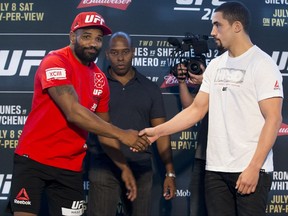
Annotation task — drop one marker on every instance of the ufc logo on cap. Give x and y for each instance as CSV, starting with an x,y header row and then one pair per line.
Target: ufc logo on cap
x,y
94,19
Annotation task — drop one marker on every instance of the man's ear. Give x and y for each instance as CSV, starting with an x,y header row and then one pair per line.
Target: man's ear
x,y
72,37
238,26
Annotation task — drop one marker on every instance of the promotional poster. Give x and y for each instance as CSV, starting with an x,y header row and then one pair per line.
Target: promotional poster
x,y
29,30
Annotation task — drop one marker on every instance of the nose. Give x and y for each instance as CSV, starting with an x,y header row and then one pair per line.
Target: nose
x,y
95,42
120,56
213,31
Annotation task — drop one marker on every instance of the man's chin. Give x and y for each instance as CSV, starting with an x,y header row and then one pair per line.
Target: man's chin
x,y
219,45
120,72
217,42
91,58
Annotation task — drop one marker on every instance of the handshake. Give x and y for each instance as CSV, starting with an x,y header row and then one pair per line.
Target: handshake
x,y
138,141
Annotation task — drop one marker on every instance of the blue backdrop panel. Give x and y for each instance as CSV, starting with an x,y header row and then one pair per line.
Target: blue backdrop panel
x,y
29,29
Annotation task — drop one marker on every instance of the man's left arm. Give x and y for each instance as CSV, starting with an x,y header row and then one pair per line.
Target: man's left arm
x,y
165,152
271,110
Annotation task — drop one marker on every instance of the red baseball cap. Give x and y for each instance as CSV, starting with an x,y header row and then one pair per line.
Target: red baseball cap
x,y
86,19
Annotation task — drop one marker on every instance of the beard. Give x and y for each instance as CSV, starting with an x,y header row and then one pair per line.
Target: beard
x,y
219,46
84,54
221,49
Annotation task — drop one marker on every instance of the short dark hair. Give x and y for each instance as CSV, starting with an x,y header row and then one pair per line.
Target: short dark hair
x,y
235,11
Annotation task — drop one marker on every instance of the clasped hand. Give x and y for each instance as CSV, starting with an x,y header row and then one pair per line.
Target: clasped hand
x,y
148,135
136,142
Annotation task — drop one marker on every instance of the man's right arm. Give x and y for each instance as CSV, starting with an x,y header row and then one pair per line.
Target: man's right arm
x,y
183,120
66,99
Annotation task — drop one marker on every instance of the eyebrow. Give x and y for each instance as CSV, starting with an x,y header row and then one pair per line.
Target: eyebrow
x,y
86,32
126,48
89,33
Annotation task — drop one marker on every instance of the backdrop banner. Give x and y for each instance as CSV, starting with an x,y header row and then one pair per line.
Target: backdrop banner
x,y
29,29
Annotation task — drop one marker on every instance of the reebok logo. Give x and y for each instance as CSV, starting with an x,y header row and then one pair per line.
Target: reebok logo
x,y
22,198
276,85
22,195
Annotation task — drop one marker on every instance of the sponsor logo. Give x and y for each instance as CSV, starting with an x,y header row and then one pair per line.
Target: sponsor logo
x,y
229,76
99,80
198,2
22,198
55,74
183,193
5,185
20,61
170,81
197,6
276,85
281,59
94,19
97,92
77,208
118,4
283,130
78,204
